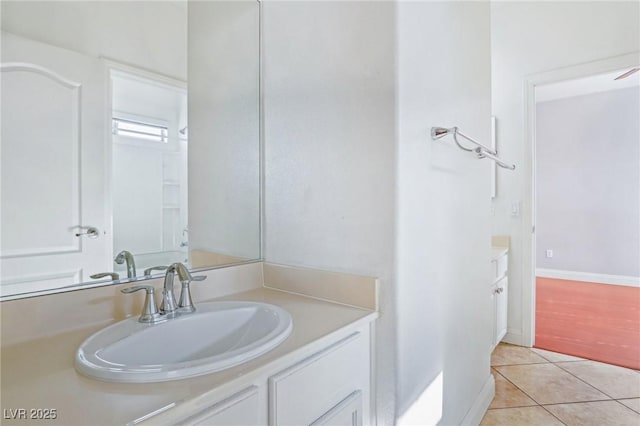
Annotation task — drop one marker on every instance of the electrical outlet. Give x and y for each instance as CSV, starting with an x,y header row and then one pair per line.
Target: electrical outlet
x,y
549,253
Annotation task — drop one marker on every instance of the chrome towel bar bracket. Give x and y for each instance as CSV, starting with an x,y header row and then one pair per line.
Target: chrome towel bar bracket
x,y
481,150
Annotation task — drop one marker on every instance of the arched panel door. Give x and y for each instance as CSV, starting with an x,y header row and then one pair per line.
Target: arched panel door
x,y
52,167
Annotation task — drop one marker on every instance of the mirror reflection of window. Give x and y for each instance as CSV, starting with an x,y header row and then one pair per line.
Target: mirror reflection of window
x,y
149,171
140,130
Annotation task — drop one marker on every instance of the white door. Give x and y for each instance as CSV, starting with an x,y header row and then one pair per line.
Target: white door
x,y
52,166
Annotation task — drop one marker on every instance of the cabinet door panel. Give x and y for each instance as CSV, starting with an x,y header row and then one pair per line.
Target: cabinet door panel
x,y
347,413
501,308
494,316
240,409
303,392
501,266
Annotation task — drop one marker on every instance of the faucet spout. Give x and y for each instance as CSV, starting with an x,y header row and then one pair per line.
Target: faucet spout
x,y
126,256
183,272
185,304
169,304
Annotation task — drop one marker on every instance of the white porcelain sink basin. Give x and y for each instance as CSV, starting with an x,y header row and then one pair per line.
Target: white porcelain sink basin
x,y
218,335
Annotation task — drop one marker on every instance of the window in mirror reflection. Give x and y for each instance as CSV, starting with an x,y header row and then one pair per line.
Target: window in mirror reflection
x,y
139,130
149,173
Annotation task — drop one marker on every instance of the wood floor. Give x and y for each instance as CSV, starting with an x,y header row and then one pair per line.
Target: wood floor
x,y
595,321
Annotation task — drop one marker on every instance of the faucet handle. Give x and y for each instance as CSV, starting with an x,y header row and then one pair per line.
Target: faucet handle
x,y
133,288
114,276
186,304
150,312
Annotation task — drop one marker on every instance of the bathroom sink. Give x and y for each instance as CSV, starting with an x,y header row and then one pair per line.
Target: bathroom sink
x,y
218,335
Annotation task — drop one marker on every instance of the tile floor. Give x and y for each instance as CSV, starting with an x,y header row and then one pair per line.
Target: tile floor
x,y
537,387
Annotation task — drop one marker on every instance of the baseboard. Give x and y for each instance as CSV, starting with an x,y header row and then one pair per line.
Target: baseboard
x,y
481,404
514,337
588,277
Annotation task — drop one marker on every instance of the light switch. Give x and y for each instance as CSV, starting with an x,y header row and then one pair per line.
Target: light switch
x,y
549,253
515,209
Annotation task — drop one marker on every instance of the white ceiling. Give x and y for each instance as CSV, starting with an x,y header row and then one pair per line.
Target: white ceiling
x,y
586,85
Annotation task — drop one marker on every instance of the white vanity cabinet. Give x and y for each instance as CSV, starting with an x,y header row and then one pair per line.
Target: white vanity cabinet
x,y
499,296
326,385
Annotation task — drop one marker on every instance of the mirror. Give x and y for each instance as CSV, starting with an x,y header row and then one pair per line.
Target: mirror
x,y
130,140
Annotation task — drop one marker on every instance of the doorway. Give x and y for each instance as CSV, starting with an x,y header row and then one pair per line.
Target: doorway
x,y
584,293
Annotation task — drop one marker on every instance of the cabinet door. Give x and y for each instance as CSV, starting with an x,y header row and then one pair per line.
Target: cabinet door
x,y
494,316
347,413
240,409
302,393
501,298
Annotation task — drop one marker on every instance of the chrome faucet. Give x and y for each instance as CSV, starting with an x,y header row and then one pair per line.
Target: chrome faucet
x,y
185,304
169,305
169,308
126,256
150,313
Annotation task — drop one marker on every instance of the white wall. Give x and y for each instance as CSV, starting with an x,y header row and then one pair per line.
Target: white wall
x,y
348,106
137,198
443,221
224,144
330,148
534,37
147,34
588,183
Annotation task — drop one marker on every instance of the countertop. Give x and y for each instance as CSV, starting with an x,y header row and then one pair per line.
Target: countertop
x,y
40,374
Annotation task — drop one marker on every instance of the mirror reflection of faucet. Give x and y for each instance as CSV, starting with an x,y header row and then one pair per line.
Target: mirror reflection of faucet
x,y
126,257
114,276
148,271
169,308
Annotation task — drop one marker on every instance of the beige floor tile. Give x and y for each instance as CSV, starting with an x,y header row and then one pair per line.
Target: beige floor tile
x,y
507,395
617,382
505,354
595,413
633,403
524,416
549,384
555,356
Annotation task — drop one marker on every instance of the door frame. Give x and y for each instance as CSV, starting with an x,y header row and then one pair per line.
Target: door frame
x,y
528,222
